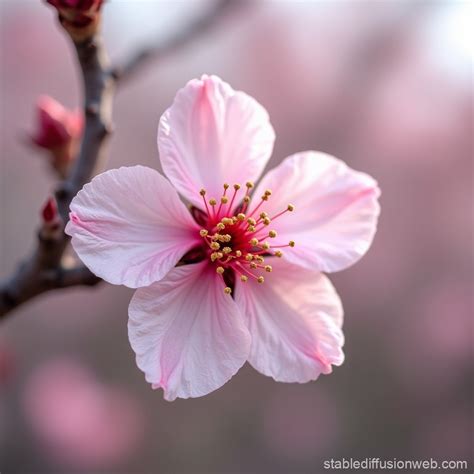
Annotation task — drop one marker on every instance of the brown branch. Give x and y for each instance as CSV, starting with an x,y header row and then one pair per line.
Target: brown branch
x,y
43,270
180,38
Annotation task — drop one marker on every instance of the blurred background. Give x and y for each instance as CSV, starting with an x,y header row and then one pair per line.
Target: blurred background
x,y
387,87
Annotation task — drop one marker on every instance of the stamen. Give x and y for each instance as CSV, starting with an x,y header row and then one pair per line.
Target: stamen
x,y
236,189
238,242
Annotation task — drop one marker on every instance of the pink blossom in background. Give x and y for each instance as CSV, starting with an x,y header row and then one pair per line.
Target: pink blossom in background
x,y
249,285
80,422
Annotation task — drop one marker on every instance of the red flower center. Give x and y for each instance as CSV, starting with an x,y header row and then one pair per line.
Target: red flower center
x,y
240,240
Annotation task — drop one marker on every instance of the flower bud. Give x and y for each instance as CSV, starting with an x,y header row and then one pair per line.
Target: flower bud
x,y
80,18
58,131
50,218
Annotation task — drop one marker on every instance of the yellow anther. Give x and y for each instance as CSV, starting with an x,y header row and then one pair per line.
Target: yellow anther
x,y
251,228
215,246
265,245
226,186
224,199
241,216
266,221
220,270
268,192
212,202
202,192
263,215
291,243
227,238
238,253
236,187
220,226
214,256
253,241
227,290
244,278
279,253
259,259
227,250
290,207
220,254
264,197
249,184
203,232
272,234
249,257
234,220
268,268
260,279
227,221
247,199
251,221
253,265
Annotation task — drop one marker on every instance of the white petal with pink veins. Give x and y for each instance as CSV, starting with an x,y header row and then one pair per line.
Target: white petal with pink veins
x,y
213,135
129,226
189,336
295,320
336,210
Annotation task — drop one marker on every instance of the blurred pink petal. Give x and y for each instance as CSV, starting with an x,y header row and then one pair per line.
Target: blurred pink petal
x,y
129,226
81,422
189,336
213,135
295,320
337,210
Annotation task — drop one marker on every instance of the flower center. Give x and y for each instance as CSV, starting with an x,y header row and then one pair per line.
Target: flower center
x,y
241,241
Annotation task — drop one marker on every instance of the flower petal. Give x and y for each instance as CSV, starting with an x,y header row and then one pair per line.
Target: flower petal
x,y
213,135
295,320
189,336
129,226
336,210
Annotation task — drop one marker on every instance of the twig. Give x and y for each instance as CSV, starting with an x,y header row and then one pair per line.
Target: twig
x,y
180,38
43,270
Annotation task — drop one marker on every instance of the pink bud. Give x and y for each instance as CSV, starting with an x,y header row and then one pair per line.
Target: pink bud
x,y
50,211
80,18
79,5
59,131
57,125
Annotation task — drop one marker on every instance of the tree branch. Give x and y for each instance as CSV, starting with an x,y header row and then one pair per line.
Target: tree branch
x,y
43,270
181,37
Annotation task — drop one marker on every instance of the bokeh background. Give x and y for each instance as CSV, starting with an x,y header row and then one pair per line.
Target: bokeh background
x,y
386,86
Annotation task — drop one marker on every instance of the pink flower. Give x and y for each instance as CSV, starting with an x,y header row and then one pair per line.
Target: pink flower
x,y
212,290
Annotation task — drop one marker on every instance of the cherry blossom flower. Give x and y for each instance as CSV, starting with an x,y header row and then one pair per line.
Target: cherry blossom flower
x,y
237,276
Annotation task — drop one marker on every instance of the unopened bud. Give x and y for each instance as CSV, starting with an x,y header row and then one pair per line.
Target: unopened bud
x,y
80,18
59,131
